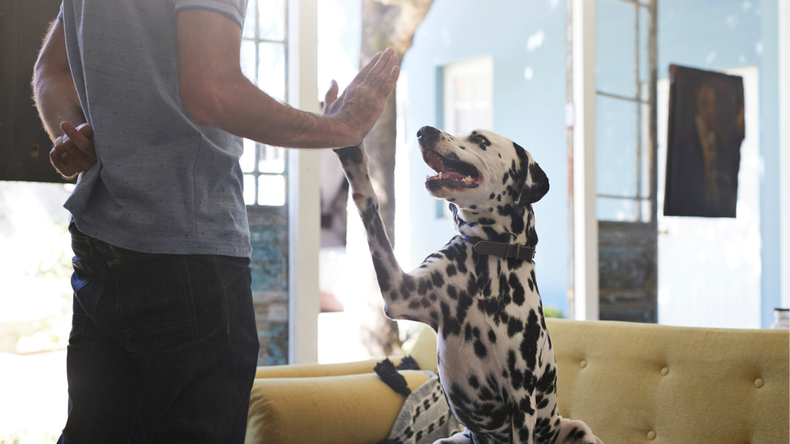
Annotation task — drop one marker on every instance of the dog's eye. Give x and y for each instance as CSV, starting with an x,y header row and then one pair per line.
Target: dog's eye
x,y
479,138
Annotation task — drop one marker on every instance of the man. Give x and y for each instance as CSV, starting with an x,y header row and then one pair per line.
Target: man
x,y
146,102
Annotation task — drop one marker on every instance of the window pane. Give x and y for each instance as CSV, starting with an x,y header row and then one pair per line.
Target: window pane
x,y
644,50
271,69
616,166
271,20
247,160
271,190
249,189
615,47
644,163
248,60
468,95
249,22
271,159
622,210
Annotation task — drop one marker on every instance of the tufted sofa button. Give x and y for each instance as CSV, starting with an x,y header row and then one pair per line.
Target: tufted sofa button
x,y
664,371
651,435
759,382
583,363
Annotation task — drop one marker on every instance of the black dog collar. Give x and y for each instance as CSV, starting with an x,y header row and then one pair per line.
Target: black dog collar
x,y
501,249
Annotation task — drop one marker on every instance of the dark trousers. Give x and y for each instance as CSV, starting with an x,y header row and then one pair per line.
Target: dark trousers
x,y
163,348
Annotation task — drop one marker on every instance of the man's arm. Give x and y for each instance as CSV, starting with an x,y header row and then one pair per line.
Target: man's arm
x,y
215,92
59,107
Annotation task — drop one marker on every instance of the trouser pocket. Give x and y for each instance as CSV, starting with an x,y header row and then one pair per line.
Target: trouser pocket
x,y
155,302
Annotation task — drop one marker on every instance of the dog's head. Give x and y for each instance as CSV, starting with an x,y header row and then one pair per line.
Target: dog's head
x,y
480,170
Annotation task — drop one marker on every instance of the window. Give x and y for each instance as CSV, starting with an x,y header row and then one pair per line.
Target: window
x,y
468,92
264,60
623,113
264,52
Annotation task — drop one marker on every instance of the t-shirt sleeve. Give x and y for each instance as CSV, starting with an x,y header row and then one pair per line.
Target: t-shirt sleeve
x,y
234,9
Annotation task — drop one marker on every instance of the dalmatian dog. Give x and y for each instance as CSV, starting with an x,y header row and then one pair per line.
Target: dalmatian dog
x,y
479,292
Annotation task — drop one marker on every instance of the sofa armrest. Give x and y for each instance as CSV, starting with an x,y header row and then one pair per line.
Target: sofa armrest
x,y
334,409
319,370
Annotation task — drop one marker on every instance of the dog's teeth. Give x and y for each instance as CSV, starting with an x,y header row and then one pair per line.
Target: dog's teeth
x,y
440,175
467,180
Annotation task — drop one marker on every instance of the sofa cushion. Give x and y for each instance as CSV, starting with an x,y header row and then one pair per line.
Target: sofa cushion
x,y
635,383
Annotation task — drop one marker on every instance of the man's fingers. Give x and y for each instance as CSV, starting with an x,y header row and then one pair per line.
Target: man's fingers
x,y
331,95
389,85
74,151
366,69
86,130
63,165
76,137
381,64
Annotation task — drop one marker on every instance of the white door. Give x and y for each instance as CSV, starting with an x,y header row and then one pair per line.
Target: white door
x,y
709,268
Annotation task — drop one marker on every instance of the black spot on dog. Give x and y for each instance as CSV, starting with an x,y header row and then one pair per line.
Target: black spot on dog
x,y
518,289
348,156
526,406
471,285
452,292
492,336
514,326
451,271
450,325
437,280
529,344
480,349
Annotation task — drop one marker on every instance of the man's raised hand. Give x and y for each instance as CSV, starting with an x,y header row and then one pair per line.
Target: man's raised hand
x,y
362,102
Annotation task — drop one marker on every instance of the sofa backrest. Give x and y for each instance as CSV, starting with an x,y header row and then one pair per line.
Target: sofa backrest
x,y
636,383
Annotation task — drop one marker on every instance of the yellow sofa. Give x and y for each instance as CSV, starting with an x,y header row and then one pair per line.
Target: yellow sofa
x,y
631,383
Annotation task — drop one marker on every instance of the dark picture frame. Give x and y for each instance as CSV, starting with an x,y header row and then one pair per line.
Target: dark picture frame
x,y
705,131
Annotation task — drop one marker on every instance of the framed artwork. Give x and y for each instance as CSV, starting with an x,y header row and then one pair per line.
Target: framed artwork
x,y
705,131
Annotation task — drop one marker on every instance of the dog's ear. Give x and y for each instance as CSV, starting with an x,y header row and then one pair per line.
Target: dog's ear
x,y
530,172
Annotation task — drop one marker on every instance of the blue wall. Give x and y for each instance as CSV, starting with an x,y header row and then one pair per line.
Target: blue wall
x,y
720,34
530,112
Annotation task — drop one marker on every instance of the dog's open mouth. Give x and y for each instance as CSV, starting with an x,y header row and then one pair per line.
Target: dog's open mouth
x,y
453,173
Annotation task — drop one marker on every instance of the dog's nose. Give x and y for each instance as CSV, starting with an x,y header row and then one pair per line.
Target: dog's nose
x,y
427,132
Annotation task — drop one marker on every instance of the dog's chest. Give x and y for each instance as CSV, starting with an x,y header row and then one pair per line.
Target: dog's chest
x,y
485,337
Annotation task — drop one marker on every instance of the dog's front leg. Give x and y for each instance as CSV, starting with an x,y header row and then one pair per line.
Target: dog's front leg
x,y
397,287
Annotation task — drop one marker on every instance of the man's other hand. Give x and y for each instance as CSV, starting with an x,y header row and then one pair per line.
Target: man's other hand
x,y
73,152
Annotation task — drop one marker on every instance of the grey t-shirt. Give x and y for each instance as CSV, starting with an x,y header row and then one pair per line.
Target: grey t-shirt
x,y
162,183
